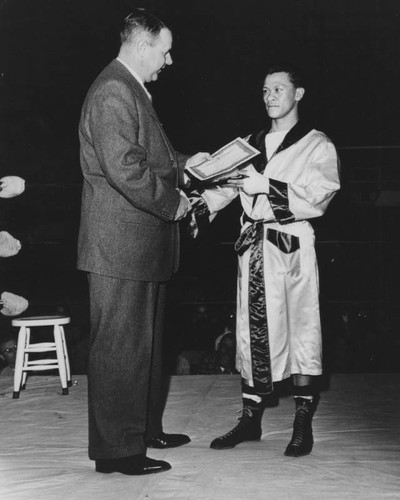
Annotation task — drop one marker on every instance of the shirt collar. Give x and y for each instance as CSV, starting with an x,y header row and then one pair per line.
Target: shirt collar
x,y
136,76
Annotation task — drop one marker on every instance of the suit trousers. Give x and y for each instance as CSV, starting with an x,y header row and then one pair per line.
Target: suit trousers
x,y
125,365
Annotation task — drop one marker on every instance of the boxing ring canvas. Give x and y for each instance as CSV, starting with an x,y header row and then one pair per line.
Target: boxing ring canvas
x,y
43,454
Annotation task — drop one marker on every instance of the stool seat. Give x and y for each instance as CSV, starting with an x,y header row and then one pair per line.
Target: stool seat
x,y
41,321
25,347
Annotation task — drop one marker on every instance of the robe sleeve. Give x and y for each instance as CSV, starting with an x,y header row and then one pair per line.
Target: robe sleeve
x,y
205,206
219,197
290,201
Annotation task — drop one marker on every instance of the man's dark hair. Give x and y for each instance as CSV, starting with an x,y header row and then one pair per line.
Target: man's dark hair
x,y
140,20
296,75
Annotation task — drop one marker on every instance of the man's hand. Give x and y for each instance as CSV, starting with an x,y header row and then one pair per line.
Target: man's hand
x,y
183,208
9,246
11,186
197,158
249,181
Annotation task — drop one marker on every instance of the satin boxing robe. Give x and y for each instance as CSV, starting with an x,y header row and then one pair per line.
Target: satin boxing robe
x,y
278,320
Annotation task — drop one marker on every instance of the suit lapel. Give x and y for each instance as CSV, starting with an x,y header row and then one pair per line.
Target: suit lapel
x,y
140,93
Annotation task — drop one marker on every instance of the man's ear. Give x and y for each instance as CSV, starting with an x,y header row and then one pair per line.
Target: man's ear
x,y
300,91
141,46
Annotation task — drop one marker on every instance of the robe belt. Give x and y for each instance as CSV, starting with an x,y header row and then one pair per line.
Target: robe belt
x,y
247,238
253,238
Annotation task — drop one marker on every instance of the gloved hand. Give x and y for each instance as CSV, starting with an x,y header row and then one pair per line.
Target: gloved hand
x,y
12,304
11,186
9,245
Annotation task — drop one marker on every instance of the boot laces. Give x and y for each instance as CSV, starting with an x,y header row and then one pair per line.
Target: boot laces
x,y
301,422
246,413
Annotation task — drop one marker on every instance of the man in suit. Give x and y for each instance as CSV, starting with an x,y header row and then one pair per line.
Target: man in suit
x,y
129,246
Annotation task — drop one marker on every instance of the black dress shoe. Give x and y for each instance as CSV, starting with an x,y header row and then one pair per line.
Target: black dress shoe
x,y
168,441
136,465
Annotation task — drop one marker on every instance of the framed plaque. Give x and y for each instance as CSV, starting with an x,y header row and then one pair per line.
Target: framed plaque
x,y
224,161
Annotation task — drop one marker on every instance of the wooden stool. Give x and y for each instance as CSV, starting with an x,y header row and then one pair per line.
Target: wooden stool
x,y
24,348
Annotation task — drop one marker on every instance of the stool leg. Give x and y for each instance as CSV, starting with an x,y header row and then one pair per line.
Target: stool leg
x,y
19,361
61,359
26,358
69,381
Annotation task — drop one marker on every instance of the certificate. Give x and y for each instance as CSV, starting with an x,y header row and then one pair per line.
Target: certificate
x,y
224,161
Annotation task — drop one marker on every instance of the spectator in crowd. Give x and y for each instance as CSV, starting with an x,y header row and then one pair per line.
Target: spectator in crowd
x,y
222,360
8,350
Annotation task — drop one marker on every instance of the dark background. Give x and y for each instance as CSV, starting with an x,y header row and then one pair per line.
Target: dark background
x,y
51,51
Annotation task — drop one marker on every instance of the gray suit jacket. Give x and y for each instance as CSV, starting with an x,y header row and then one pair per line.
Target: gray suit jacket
x,y
130,173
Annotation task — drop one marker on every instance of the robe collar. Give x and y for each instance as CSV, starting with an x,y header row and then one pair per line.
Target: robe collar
x,y
297,132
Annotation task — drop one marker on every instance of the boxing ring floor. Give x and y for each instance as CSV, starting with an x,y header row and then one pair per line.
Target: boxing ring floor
x,y
43,452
